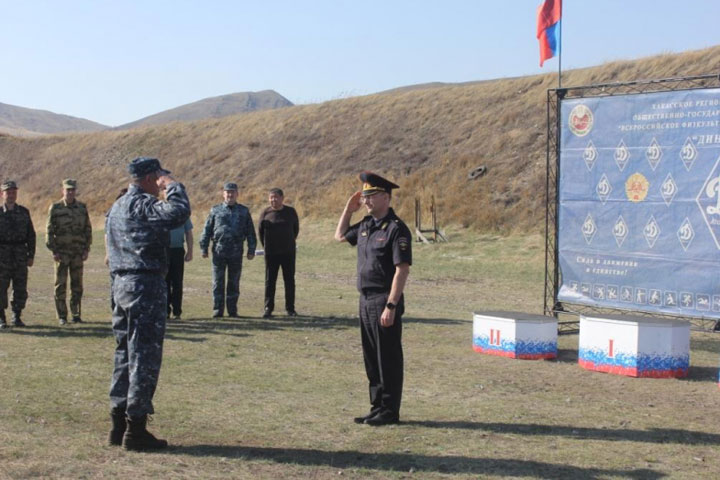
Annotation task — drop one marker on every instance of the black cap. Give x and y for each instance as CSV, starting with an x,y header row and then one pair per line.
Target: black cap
x,y
142,166
230,186
373,183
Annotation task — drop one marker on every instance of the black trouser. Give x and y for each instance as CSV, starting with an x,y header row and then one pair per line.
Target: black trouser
x,y
174,280
382,351
272,265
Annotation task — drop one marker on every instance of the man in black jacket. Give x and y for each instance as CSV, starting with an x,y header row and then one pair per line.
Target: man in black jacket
x,y
279,227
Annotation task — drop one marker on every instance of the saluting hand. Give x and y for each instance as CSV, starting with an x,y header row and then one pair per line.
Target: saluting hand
x,y
354,202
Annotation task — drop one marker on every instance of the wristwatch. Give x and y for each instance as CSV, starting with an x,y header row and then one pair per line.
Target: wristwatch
x,y
390,306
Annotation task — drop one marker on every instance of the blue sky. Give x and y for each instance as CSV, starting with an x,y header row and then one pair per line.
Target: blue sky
x,y
117,61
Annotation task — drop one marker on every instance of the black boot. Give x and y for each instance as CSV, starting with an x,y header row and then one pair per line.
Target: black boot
x,y
137,437
17,322
119,425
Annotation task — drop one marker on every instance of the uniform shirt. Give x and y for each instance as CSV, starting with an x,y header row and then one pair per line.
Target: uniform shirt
x,y
381,246
137,228
228,226
278,230
177,235
17,234
68,228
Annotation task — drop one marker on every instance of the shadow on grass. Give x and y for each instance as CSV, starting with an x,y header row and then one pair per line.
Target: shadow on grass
x,y
404,462
654,435
702,374
85,329
436,321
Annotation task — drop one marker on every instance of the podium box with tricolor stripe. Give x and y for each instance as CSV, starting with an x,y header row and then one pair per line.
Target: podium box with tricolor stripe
x,y
515,335
634,346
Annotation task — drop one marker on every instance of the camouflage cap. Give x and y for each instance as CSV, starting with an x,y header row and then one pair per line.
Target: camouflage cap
x,y
69,183
142,166
230,186
8,185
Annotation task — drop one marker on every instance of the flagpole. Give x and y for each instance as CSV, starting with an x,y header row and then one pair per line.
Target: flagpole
x,y
560,49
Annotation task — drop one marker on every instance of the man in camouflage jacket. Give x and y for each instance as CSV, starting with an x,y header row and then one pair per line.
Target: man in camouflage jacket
x,y
68,236
17,252
137,229
228,226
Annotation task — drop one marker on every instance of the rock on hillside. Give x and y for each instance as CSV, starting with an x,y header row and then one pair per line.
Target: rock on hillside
x,y
28,121
216,107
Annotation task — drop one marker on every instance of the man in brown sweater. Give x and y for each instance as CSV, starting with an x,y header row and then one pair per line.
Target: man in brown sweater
x,y
279,227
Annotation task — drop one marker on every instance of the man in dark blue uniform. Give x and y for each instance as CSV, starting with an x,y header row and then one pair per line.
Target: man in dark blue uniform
x,y
137,229
384,259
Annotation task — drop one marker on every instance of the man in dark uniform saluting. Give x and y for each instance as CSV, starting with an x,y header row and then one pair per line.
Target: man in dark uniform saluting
x,y
384,259
137,229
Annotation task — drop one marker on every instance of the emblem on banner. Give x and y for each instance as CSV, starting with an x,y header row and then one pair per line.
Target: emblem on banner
x,y
590,154
709,202
668,189
654,154
612,292
640,296
716,303
688,154
651,232
599,292
581,120
621,155
603,189
655,297
626,294
686,234
636,187
670,299
589,229
620,231
687,300
702,301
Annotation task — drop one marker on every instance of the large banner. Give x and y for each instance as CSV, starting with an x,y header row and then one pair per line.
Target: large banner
x,y
639,218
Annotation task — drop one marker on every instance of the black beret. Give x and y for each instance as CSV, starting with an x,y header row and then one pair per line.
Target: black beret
x,y
373,183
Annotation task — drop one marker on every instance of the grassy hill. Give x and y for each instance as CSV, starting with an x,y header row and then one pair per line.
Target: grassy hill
x,y
426,139
216,107
27,122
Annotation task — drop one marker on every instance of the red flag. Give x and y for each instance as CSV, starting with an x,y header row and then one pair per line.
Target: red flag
x,y
548,19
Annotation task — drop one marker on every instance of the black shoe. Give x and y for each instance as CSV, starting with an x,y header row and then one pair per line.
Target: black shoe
x,y
233,315
77,320
384,417
16,321
292,313
63,321
372,413
3,324
119,423
267,313
138,439
217,314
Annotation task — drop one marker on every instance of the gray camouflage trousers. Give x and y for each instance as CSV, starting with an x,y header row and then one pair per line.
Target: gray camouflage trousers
x,y
138,322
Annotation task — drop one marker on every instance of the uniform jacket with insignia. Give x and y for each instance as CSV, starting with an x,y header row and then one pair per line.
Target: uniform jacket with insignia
x,y
381,246
17,234
228,227
68,229
138,226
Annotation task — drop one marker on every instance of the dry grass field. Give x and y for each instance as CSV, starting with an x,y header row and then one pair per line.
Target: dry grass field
x,y
427,139
255,398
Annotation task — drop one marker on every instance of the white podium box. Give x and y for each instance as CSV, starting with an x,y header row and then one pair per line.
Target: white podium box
x,y
515,335
634,346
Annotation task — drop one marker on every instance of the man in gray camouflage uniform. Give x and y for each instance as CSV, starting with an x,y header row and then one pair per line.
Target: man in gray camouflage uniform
x,y
137,229
17,252
228,226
